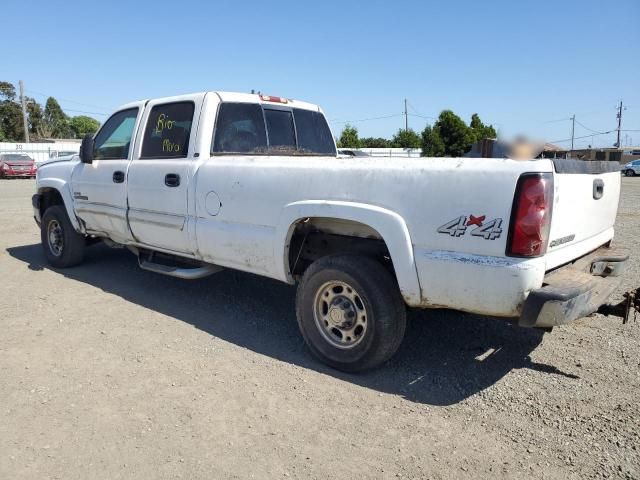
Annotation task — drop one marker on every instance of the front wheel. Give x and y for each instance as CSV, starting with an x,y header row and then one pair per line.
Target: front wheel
x,y
350,312
63,246
629,173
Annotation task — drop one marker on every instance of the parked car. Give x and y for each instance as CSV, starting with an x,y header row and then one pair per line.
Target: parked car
x,y
196,183
632,168
15,165
352,153
64,153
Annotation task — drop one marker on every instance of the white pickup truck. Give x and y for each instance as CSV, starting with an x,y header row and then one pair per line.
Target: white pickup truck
x,y
196,183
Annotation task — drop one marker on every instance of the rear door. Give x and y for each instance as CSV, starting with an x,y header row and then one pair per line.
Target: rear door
x,y
161,172
99,188
586,195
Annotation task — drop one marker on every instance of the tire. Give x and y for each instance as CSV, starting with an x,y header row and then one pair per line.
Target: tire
x,y
361,294
63,246
629,173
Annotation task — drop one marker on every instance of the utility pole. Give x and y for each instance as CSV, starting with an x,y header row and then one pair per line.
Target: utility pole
x,y
573,128
619,123
406,117
24,112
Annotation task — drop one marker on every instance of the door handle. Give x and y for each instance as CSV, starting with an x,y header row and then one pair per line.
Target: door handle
x,y
172,180
118,177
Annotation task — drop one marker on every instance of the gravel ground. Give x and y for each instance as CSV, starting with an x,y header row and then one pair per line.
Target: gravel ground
x,y
108,371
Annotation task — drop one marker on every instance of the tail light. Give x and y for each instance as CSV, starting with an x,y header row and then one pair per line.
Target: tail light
x,y
531,215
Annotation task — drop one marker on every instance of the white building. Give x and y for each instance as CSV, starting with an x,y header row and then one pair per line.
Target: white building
x,y
42,151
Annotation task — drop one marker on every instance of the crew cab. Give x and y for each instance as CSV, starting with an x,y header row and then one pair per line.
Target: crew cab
x,y
196,183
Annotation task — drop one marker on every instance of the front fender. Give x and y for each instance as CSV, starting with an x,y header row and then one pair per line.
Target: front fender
x,y
387,223
65,192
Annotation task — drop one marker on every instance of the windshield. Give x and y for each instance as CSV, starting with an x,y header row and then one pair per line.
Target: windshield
x,y
15,157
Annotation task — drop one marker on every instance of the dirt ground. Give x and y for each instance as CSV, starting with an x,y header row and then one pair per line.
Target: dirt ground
x,y
108,371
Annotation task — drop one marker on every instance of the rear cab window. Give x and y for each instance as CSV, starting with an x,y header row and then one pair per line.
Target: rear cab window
x,y
168,130
314,135
281,130
252,128
240,129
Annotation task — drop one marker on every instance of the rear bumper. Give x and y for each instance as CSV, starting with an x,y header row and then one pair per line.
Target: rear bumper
x,y
575,290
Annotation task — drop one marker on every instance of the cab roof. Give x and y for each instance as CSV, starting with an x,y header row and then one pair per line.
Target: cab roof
x,y
234,97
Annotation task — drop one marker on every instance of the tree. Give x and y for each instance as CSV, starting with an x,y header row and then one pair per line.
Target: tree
x,y
56,120
479,130
455,134
11,124
8,91
349,137
35,119
406,139
371,142
83,125
432,144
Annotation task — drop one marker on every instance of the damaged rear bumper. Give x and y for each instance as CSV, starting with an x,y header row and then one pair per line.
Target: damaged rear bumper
x,y
575,290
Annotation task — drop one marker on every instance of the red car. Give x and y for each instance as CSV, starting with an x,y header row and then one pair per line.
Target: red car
x,y
17,165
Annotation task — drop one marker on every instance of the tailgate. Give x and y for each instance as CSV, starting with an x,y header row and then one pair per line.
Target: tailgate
x,y
586,196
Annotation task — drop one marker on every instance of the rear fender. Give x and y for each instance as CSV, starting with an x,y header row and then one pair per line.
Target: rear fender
x,y
388,224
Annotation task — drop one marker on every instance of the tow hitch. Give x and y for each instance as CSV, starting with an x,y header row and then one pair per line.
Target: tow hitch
x,y
631,303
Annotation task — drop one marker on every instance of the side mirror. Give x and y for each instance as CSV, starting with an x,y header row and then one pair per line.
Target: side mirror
x,y
86,149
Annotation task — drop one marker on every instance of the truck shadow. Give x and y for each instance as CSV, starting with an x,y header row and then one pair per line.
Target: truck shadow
x,y
446,356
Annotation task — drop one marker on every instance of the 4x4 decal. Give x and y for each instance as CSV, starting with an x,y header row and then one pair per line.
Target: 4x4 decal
x,y
458,227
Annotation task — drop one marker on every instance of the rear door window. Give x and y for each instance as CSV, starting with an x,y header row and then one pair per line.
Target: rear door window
x,y
314,135
240,129
282,135
168,130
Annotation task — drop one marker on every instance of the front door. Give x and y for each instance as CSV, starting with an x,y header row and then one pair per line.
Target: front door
x,y
160,173
100,188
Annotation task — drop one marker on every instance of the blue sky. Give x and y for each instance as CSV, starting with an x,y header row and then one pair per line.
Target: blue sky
x,y
525,66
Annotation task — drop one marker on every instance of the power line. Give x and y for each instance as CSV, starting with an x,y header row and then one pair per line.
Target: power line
x,y
587,128
418,114
82,111
556,121
585,136
70,101
367,119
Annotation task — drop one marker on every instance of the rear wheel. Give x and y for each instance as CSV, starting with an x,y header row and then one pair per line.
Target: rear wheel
x,y
629,173
350,312
63,246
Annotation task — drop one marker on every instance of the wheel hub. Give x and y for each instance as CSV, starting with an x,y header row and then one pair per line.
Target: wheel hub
x,y
340,314
55,238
